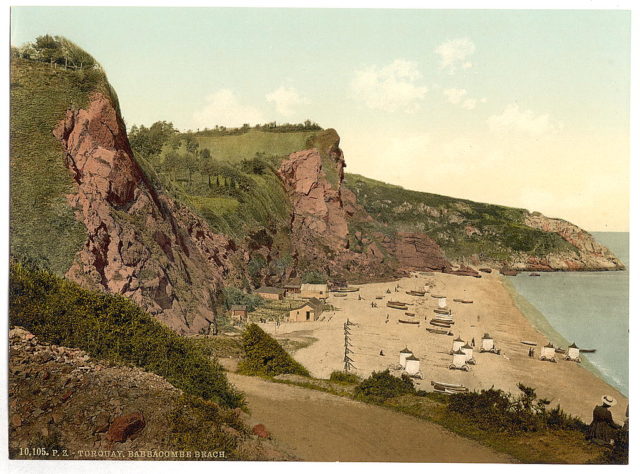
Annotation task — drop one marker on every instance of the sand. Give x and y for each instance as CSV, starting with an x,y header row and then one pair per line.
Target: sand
x,y
569,384
317,426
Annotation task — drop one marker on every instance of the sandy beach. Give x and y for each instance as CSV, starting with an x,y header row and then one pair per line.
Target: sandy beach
x,y
569,384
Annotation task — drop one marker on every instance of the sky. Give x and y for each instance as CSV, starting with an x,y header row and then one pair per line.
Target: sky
x,y
521,108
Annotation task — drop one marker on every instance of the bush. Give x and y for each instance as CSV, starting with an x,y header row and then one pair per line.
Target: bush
x,y
314,277
236,296
112,328
382,385
264,356
344,377
496,410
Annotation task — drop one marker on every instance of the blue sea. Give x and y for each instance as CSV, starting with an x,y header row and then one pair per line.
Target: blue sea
x,y
588,308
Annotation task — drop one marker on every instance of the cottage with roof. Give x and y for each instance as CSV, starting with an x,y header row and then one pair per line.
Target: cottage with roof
x,y
314,290
238,312
270,293
309,310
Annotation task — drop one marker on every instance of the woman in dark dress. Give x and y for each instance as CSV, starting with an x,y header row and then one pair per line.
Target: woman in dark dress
x,y
603,429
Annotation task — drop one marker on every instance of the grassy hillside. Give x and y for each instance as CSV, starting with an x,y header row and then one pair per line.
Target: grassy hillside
x,y
461,227
43,227
236,148
112,328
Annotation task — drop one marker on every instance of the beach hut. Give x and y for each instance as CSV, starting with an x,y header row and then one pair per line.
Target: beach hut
x,y
412,366
457,344
459,361
442,302
468,354
548,352
404,353
487,342
573,353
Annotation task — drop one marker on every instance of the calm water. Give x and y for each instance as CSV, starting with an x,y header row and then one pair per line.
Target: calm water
x,y
590,308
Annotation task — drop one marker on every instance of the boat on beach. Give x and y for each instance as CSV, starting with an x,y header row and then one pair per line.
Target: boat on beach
x,y
408,322
529,343
587,350
410,314
440,331
448,388
415,293
441,323
395,305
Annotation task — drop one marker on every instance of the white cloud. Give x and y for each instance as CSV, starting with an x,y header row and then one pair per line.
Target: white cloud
x,y
454,54
286,100
469,104
390,88
223,108
513,119
460,97
454,95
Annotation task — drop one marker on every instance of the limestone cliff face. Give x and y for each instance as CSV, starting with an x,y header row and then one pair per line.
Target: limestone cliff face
x,y
140,244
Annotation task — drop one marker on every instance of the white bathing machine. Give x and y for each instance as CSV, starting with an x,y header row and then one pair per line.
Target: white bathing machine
x,y
459,361
548,352
573,353
487,342
457,344
468,353
412,365
404,353
442,302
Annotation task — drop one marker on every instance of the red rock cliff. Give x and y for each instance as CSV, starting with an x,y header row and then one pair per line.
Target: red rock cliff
x,y
140,244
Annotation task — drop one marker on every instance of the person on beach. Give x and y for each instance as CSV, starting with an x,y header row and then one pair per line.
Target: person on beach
x,y
602,429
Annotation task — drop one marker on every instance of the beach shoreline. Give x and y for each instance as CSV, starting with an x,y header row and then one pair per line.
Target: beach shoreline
x,y
376,330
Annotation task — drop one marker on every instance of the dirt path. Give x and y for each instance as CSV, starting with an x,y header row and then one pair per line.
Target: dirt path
x,y
317,426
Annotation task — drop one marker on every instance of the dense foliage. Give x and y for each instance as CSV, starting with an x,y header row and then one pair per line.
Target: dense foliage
x,y
112,328
382,385
497,410
236,296
264,356
56,50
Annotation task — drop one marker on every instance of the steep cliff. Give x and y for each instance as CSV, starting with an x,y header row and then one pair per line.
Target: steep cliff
x,y
140,243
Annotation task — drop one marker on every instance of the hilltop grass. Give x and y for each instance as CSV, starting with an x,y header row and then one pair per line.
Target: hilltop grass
x,y
448,221
42,224
114,329
235,148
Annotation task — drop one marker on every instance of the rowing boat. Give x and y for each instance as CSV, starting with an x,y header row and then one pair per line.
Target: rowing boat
x,y
415,293
438,296
441,311
440,323
408,322
397,306
451,386
587,350
529,343
440,331
410,314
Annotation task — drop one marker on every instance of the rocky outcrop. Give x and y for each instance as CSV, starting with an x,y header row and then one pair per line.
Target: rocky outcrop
x,y
589,254
416,251
61,398
140,244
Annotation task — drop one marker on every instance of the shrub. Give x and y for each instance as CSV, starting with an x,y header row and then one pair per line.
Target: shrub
x,y
264,356
314,277
382,385
496,410
112,328
344,377
236,296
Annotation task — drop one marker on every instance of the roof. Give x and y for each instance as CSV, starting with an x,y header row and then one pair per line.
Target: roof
x,y
573,346
292,285
314,286
459,352
466,346
315,304
486,336
238,307
549,346
405,351
458,339
412,357
270,289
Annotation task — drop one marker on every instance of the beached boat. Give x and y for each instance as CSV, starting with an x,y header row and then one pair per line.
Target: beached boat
x,y
466,301
534,274
346,290
410,314
441,311
587,350
529,343
379,297
456,387
415,293
440,331
408,322
440,323
438,296
340,295
397,306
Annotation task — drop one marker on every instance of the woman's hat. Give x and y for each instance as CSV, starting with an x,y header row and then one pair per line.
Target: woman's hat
x,y
609,400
